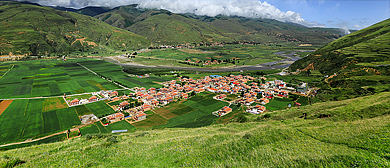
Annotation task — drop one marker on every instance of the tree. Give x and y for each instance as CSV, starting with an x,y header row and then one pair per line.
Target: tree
x,y
193,93
308,72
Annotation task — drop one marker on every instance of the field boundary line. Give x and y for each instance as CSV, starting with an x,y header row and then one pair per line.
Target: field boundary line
x,y
48,136
103,77
7,71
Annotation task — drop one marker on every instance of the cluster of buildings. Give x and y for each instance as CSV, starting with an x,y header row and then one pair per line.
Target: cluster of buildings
x,y
250,91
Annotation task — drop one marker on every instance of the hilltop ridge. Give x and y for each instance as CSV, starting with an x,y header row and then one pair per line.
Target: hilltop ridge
x,y
34,30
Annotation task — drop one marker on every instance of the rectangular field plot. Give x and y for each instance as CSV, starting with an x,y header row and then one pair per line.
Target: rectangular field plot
x,y
12,121
53,104
34,126
51,122
121,125
100,109
25,119
152,120
67,118
82,110
94,128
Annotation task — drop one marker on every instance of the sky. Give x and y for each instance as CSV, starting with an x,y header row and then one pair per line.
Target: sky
x,y
345,14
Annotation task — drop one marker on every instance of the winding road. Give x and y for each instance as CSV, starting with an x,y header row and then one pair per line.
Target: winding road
x,y
264,66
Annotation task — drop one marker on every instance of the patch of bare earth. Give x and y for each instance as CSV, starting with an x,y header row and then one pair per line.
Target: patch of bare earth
x,y
4,104
53,104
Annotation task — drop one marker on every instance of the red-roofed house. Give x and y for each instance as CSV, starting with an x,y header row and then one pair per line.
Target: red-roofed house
x,y
146,107
113,93
74,102
123,104
140,116
116,117
93,98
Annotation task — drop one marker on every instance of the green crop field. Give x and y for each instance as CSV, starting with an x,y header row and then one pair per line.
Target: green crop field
x,y
25,119
49,78
245,55
115,73
194,112
278,104
82,110
100,109
121,125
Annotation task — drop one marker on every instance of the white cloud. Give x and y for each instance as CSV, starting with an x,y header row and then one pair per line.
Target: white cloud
x,y
245,8
357,26
335,7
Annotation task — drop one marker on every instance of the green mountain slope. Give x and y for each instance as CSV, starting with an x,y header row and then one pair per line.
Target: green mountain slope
x,y
33,30
161,26
358,59
350,133
257,29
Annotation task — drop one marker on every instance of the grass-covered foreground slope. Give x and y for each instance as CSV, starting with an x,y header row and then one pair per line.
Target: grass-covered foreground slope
x,y
34,30
354,133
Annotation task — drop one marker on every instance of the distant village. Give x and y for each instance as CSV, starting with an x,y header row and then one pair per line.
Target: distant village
x,y
247,90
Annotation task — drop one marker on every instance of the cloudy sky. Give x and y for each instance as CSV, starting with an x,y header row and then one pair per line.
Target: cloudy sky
x,y
352,14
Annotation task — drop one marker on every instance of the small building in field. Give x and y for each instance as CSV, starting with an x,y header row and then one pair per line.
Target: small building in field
x,y
93,98
225,110
74,102
116,117
140,116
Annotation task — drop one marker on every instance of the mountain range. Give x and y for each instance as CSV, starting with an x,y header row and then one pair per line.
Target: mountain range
x,y
31,29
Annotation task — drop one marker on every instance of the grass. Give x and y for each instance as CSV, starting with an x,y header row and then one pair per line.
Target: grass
x,y
283,140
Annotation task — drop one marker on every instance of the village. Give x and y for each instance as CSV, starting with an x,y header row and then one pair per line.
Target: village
x,y
248,91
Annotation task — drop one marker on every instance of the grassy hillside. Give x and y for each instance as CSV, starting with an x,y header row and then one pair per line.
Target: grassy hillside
x,y
162,26
33,30
352,133
268,30
360,59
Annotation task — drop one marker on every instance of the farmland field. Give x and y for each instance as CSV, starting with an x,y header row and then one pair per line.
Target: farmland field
x,y
25,119
49,78
245,54
100,108
278,104
194,112
114,72
152,120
